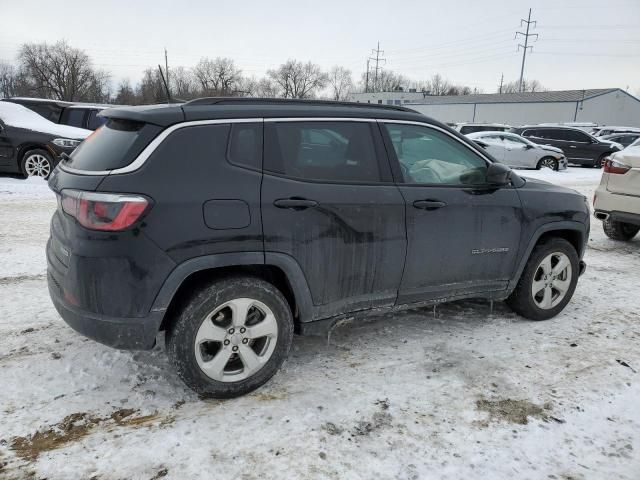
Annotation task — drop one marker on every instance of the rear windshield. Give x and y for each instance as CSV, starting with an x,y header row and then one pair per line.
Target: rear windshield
x,y
114,145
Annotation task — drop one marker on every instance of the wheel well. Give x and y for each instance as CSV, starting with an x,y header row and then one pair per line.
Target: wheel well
x,y
574,237
23,149
268,273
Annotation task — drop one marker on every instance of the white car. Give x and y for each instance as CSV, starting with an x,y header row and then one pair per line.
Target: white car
x,y
467,128
516,151
617,199
611,129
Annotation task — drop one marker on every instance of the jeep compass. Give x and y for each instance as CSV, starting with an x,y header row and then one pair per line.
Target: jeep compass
x,y
230,224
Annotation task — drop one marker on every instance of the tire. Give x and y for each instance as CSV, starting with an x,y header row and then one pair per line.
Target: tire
x,y
549,162
619,230
36,163
212,368
524,302
600,160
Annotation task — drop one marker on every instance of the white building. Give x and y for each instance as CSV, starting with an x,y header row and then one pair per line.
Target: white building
x,y
605,106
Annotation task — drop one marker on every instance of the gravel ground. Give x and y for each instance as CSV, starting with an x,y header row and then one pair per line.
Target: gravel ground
x,y
465,392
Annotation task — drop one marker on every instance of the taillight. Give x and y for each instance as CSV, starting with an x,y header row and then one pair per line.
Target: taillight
x,y
611,166
103,211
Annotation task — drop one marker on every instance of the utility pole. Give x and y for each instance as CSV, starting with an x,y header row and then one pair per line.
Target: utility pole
x,y
377,58
526,36
366,83
166,66
501,81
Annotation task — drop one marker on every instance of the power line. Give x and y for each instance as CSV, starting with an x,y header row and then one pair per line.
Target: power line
x,y
526,36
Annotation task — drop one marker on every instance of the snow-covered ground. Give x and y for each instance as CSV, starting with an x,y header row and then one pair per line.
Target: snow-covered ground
x,y
467,393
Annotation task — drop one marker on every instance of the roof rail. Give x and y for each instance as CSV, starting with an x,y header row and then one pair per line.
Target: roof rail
x,y
288,101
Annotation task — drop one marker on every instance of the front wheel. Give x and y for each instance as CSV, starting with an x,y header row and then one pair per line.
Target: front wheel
x,y
548,162
619,230
600,162
37,163
547,282
231,337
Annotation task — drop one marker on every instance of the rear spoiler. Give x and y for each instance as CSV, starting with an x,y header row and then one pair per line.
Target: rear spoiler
x,y
161,115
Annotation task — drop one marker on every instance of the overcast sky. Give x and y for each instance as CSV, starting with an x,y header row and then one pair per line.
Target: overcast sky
x,y
582,44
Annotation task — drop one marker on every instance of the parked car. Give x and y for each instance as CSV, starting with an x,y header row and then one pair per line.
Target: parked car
x,y
624,139
231,223
579,147
32,145
584,126
617,198
467,128
81,115
516,151
610,129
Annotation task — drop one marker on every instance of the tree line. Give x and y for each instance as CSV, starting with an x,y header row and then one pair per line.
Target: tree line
x,y
62,72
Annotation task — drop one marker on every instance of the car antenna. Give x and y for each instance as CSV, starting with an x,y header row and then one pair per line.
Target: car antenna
x,y
166,87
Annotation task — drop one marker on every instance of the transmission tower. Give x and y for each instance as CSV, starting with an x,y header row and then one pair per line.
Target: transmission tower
x,y
526,45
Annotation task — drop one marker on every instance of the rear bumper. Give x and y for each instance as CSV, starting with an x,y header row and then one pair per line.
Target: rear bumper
x,y
624,217
124,333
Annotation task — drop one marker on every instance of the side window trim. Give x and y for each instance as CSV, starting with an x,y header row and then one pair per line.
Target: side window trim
x,y
395,162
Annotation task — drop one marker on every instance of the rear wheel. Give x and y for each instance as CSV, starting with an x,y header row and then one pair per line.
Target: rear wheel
x,y
547,282
36,163
619,230
548,162
601,160
231,337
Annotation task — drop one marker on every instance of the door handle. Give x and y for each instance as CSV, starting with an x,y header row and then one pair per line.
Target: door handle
x,y
572,146
295,203
428,204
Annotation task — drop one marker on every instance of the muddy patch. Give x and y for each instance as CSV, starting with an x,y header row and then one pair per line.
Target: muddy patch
x,y
76,426
514,411
20,278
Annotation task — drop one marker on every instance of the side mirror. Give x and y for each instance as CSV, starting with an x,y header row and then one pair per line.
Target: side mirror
x,y
498,174
528,147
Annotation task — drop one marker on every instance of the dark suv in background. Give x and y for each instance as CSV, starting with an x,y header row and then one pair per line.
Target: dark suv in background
x,y
578,146
81,115
231,223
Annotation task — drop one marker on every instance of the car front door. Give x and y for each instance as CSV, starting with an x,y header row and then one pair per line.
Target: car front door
x,y
7,149
579,147
462,234
330,204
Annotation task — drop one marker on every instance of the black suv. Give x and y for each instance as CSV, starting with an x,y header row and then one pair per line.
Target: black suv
x,y
578,146
231,223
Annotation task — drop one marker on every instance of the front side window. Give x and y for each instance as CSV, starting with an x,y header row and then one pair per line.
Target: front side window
x,y
322,151
428,156
576,136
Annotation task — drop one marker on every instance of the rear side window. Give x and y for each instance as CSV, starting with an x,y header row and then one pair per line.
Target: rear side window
x,y
245,145
114,145
73,117
322,151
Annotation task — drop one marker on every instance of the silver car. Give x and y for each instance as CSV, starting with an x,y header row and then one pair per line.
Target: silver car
x,y
518,152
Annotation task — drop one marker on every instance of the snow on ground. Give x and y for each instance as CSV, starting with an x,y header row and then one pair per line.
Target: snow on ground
x,y
467,393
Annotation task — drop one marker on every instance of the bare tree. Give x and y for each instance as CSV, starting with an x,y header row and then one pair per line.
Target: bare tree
x,y
217,77
183,83
340,82
295,79
125,95
387,81
61,72
527,86
9,80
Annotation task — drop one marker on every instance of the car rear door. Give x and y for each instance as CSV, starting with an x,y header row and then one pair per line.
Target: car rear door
x,y
494,146
329,202
462,234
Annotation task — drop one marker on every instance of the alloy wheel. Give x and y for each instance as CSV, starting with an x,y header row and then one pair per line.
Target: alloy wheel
x,y
236,340
37,165
549,163
551,280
